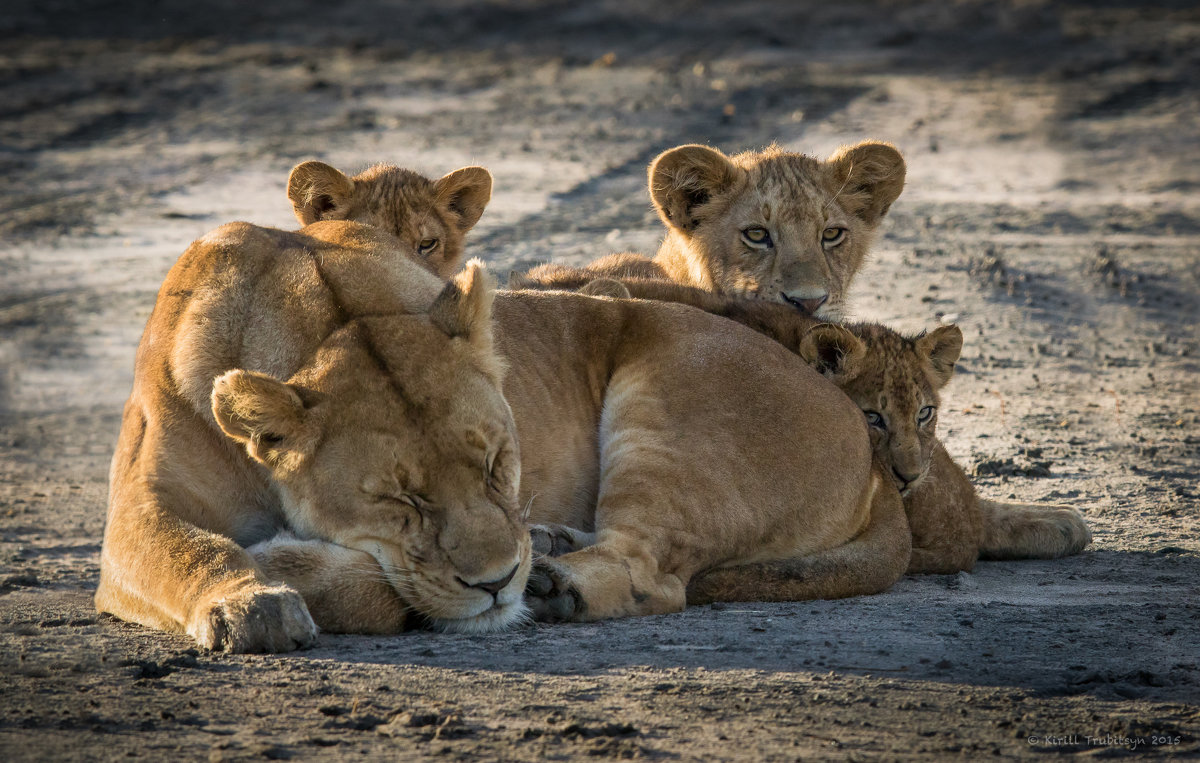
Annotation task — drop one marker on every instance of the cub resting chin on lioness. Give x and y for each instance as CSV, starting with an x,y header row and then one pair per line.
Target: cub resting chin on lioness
x,y
327,402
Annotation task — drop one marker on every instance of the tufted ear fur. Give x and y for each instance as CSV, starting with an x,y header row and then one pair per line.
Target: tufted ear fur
x,y
867,178
605,287
942,347
464,307
316,189
261,412
832,350
685,178
466,192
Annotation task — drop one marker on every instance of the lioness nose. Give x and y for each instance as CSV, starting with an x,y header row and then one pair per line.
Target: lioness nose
x,y
495,586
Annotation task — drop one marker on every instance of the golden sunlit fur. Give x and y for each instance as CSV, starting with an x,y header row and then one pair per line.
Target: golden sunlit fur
x,y
317,384
895,378
429,218
763,225
644,460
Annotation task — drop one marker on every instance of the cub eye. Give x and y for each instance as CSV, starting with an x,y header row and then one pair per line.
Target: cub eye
x,y
270,440
875,420
925,414
758,238
833,236
427,245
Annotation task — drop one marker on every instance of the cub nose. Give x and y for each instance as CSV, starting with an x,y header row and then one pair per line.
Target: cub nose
x,y
814,303
495,586
809,304
905,479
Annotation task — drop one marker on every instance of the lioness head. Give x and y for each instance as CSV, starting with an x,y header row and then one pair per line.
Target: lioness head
x,y
895,381
396,440
429,217
771,224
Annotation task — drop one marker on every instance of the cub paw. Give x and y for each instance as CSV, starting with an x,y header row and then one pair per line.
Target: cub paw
x,y
261,619
549,595
1074,528
556,540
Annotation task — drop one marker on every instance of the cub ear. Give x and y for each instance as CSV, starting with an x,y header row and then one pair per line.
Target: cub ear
x,y
832,350
261,412
867,178
605,287
316,189
466,192
942,346
685,178
464,307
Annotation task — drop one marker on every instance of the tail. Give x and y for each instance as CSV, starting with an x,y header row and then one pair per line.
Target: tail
x,y
1031,531
868,563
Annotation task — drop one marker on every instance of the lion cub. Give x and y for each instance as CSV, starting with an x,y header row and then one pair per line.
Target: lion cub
x,y
429,217
767,225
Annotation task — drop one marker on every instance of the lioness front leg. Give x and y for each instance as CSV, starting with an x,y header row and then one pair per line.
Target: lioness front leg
x,y
345,589
159,571
617,577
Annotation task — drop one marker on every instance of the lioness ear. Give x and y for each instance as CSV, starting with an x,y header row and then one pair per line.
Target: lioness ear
x,y
605,287
316,189
832,350
867,178
466,192
685,178
261,412
942,346
464,308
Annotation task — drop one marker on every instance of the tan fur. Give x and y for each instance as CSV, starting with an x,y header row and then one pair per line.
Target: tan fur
x,y
414,209
629,433
641,426
317,383
708,201
894,376
656,445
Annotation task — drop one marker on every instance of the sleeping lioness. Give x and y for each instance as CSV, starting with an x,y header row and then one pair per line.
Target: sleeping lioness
x,y
317,383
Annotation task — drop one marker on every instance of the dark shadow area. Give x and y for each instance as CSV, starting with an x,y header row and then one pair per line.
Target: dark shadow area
x,y
980,637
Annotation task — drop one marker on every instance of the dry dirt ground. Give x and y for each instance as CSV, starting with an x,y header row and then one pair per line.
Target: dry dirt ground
x,y
1052,211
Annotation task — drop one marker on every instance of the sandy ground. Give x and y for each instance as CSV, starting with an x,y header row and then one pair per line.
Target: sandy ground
x,y
1052,211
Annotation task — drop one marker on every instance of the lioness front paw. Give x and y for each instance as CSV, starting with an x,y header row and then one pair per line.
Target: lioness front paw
x,y
262,619
556,540
549,595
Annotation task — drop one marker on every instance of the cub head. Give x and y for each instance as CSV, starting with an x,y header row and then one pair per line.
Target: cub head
x,y
771,224
429,217
395,440
895,381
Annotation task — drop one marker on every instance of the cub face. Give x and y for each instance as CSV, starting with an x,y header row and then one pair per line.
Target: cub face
x,y
395,440
429,217
773,225
895,380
